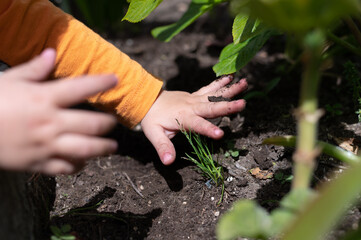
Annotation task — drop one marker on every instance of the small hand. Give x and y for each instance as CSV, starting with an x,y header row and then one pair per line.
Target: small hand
x,y
37,130
175,109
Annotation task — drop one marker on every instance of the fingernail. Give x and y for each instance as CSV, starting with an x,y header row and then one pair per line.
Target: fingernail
x,y
114,78
226,76
114,146
167,158
218,132
47,52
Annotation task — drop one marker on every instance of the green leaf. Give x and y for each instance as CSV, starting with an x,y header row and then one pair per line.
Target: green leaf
x,y
279,176
326,210
196,9
245,27
235,56
281,219
55,230
291,205
297,199
246,219
140,9
66,228
235,153
239,26
68,237
287,14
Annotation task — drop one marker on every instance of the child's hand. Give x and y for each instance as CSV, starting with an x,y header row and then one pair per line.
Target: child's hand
x,y
190,110
37,131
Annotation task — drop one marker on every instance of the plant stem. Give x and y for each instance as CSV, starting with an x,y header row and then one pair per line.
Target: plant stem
x,y
324,212
343,43
353,28
329,149
308,114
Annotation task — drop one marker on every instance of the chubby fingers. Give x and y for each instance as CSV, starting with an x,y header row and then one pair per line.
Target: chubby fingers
x,y
215,85
85,122
56,166
77,146
233,90
217,109
161,143
72,91
200,125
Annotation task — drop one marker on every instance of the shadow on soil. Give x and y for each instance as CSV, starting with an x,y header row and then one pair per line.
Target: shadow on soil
x,y
88,222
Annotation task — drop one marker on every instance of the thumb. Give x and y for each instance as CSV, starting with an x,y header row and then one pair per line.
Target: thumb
x,y
37,69
161,143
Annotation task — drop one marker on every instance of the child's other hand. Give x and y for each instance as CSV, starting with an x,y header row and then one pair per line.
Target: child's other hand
x,y
190,110
37,131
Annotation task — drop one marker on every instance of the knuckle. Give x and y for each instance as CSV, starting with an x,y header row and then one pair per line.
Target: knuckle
x,y
197,123
211,108
44,132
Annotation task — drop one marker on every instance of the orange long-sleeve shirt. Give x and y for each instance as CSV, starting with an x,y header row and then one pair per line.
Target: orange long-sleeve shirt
x,y
29,26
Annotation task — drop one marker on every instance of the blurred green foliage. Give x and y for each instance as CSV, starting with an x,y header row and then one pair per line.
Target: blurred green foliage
x,y
103,16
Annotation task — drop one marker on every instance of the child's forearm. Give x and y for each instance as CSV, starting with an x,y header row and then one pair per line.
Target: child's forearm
x,y
29,26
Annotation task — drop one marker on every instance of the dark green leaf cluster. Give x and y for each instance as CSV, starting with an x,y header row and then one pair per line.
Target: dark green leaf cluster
x,y
100,15
352,76
62,233
297,16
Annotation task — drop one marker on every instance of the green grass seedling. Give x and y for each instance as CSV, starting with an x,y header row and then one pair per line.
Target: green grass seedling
x,y
204,160
62,233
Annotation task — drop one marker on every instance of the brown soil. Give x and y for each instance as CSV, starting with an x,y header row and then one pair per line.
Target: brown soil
x,y
102,202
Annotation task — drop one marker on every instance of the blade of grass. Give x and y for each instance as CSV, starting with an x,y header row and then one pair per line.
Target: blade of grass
x,y
205,163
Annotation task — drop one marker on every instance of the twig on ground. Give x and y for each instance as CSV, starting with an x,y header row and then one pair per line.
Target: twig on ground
x,y
75,179
133,185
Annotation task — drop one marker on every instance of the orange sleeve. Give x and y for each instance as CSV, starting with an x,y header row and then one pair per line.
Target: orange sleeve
x,y
29,26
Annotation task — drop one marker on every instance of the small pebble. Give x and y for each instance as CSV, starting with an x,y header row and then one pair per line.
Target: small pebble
x,y
141,187
239,166
212,198
129,42
216,213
